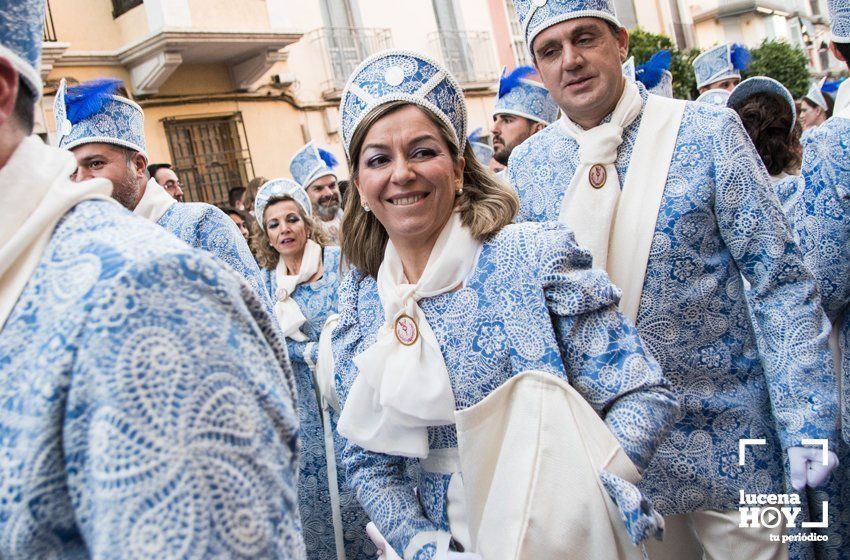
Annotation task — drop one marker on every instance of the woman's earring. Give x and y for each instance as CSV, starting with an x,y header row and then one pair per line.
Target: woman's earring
x,y
366,208
459,190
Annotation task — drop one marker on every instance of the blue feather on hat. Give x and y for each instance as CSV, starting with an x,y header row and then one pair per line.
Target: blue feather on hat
x,y
740,57
831,87
652,71
89,98
476,135
328,158
512,80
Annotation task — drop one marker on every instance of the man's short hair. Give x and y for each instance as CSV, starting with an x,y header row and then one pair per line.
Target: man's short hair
x,y
234,195
844,49
25,107
154,167
615,29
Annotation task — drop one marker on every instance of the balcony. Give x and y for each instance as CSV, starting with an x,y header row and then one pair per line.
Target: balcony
x,y
468,55
342,49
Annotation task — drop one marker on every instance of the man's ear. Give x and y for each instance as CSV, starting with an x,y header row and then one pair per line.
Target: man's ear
x,y
140,164
537,127
623,43
9,84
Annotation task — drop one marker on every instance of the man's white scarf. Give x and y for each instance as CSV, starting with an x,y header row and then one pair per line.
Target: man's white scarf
x,y
402,388
588,202
842,101
35,192
618,225
155,202
286,309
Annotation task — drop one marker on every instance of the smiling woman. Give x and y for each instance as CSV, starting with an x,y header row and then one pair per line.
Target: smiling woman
x,y
450,305
409,146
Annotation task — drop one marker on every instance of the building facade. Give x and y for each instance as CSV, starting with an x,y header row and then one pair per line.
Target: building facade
x,y
232,88
803,23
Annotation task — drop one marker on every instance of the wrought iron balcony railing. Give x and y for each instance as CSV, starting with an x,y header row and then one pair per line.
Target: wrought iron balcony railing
x,y
467,54
341,49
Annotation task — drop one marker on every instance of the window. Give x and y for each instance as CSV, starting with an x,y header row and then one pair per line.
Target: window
x,y
122,6
343,41
517,39
453,41
209,155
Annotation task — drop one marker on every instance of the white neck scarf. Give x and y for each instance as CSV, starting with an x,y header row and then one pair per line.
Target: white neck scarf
x,y
589,205
403,388
842,101
288,313
35,192
155,202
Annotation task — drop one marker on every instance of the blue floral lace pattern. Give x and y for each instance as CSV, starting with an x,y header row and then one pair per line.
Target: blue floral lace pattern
x,y
129,426
531,303
719,218
21,31
531,100
714,65
120,121
839,19
818,206
317,301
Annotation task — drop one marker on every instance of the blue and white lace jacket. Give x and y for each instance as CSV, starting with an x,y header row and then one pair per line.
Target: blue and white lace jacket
x,y
531,302
205,227
129,424
818,206
317,301
719,219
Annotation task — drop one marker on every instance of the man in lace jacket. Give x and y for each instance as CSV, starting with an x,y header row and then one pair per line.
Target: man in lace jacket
x,y
674,203
818,205
129,426
106,134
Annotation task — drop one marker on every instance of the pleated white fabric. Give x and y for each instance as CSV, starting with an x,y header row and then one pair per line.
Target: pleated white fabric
x,y
531,453
36,192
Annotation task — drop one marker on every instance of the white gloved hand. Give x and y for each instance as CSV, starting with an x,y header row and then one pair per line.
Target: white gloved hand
x,y
385,551
807,468
464,556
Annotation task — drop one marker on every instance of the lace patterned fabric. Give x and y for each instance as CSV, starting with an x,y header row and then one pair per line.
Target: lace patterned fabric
x,y
129,427
714,65
120,122
530,100
530,303
839,19
317,301
21,33
205,227
402,76
719,218
534,17
818,206
307,165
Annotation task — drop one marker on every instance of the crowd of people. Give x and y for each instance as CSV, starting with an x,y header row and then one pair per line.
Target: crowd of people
x,y
557,345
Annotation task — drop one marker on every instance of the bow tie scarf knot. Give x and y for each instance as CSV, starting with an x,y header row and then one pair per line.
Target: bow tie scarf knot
x,y
590,202
288,313
403,385
599,145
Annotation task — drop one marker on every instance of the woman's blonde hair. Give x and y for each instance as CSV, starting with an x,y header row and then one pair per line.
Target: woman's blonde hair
x,y
267,256
486,204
